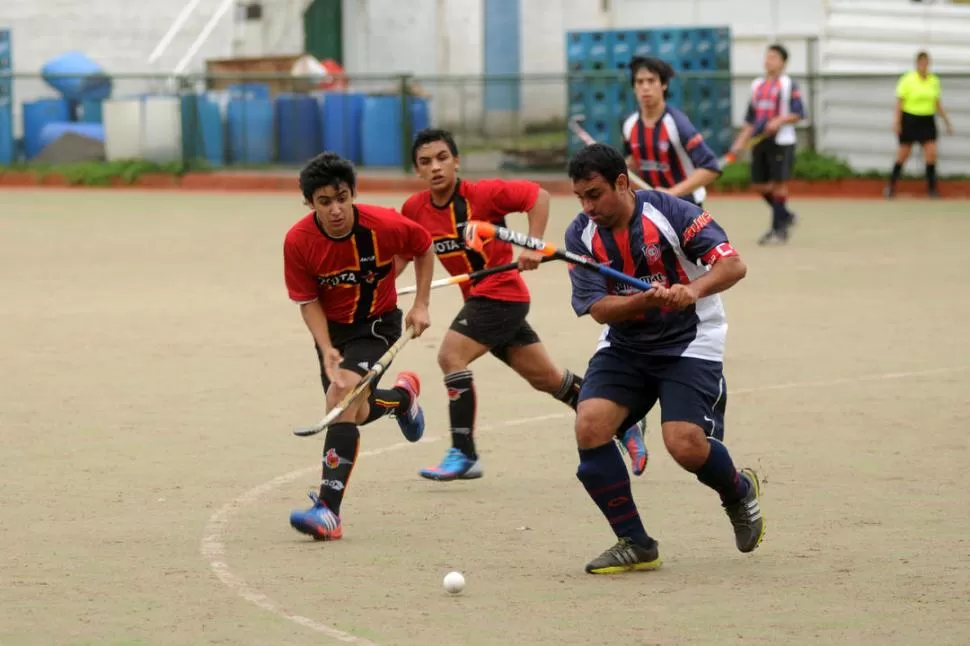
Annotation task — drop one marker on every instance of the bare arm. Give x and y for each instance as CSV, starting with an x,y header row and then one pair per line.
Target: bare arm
x,y
725,273
400,264
898,119
423,271
945,116
700,177
616,309
743,135
539,215
316,322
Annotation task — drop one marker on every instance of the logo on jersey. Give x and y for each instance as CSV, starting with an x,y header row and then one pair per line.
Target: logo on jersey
x,y
664,146
448,245
332,460
334,280
370,277
650,165
651,252
629,290
697,225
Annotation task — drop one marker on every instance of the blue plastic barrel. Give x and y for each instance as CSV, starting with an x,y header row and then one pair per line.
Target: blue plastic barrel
x,y
297,128
54,130
88,81
202,132
340,115
6,134
381,143
250,127
38,114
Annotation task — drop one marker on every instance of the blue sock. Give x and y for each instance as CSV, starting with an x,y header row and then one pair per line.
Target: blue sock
x,y
602,472
719,474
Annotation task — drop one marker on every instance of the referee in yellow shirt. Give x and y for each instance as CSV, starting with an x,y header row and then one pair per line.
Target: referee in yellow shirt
x,y
917,102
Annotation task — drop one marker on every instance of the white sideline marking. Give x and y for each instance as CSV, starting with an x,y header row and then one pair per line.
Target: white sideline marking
x,y
214,550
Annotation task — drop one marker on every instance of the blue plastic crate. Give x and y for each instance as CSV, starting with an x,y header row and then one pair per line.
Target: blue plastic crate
x,y
666,43
587,47
621,49
643,43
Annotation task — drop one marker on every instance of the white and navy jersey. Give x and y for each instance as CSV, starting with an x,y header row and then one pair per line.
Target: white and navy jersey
x,y
666,153
772,98
668,241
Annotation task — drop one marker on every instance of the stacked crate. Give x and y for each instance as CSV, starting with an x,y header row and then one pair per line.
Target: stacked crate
x,y
599,79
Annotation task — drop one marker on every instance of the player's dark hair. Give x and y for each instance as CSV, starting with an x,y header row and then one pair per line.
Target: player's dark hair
x,y
597,158
922,55
327,169
778,47
661,68
431,135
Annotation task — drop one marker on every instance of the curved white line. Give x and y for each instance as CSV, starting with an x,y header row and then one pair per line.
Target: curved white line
x,y
214,549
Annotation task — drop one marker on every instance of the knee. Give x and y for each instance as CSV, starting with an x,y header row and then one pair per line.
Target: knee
x,y
687,444
761,188
592,431
450,361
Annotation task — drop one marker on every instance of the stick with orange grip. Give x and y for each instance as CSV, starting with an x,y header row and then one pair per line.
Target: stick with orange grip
x,y
478,231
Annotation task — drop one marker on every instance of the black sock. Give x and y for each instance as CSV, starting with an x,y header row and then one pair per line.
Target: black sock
x,y
931,176
568,392
461,410
779,213
769,198
339,454
719,474
389,401
897,171
603,474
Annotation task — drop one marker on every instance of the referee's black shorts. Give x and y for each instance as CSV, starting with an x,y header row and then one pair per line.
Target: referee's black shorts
x,y
917,128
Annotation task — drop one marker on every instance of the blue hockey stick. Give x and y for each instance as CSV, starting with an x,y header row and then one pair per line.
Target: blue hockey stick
x,y
476,232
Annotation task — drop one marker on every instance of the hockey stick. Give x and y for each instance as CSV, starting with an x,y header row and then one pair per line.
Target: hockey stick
x,y
475,233
464,278
587,139
376,370
730,157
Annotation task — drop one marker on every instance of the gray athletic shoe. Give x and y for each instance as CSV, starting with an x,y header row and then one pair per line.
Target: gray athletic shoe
x,y
745,515
625,556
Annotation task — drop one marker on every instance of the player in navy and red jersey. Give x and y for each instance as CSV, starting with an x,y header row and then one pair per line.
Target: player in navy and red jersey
x,y
339,266
493,318
775,107
664,344
662,145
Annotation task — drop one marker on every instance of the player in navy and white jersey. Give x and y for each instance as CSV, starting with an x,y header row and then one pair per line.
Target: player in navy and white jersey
x,y
775,107
662,145
665,344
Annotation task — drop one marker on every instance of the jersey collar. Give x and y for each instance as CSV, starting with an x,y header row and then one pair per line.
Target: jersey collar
x,y
450,199
320,228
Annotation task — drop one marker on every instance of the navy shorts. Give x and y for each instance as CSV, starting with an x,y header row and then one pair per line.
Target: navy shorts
x,y
689,390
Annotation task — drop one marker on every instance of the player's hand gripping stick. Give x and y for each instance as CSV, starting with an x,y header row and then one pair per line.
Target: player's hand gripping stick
x,y
476,232
376,370
464,278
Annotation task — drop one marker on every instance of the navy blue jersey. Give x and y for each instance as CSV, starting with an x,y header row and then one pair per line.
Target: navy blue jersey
x,y
668,241
772,98
667,153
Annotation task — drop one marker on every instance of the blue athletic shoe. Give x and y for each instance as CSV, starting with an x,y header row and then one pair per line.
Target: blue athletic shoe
x,y
455,466
317,521
636,447
411,422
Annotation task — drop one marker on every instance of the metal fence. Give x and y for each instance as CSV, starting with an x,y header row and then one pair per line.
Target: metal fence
x,y
232,121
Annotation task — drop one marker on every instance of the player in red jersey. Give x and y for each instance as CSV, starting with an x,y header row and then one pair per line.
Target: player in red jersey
x,y
493,318
339,266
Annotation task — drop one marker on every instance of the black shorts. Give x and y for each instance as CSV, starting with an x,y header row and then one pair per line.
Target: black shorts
x,y
690,390
362,344
498,325
917,129
771,162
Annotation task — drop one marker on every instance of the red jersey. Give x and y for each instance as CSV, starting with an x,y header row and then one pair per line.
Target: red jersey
x,y
490,200
353,277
